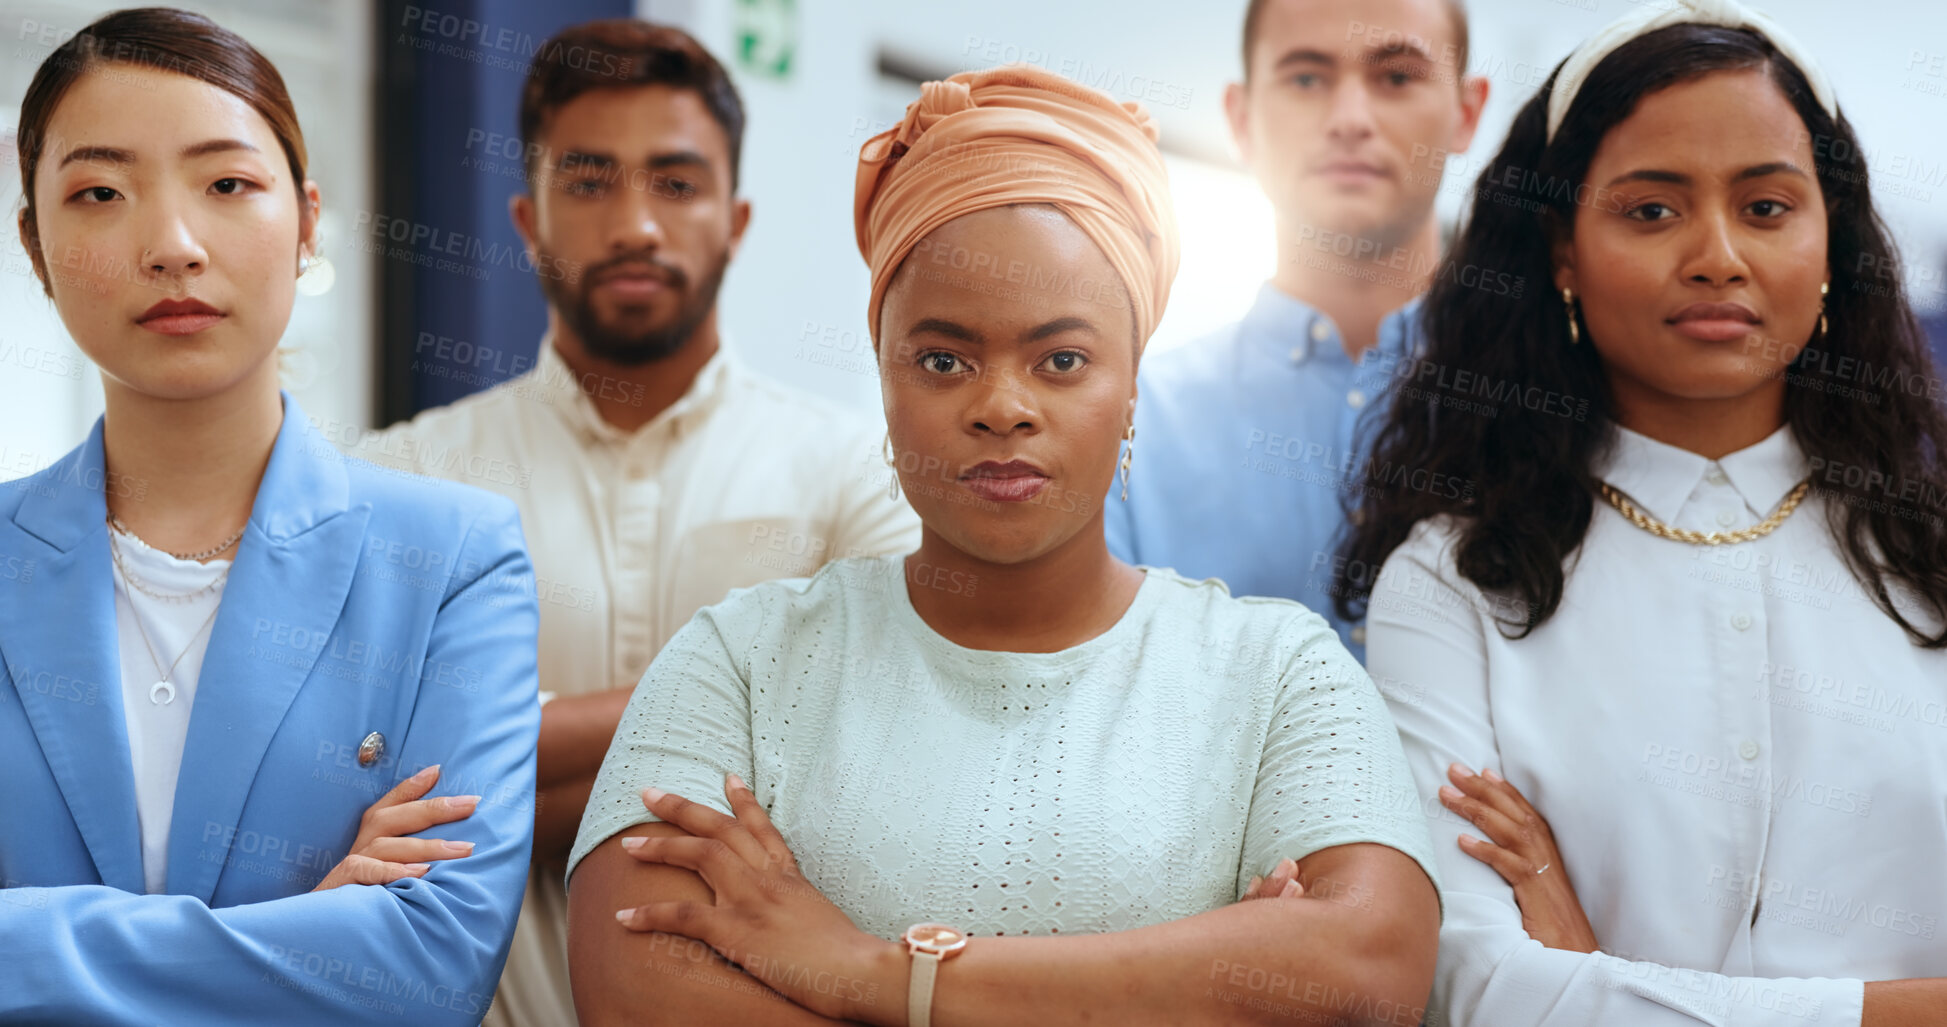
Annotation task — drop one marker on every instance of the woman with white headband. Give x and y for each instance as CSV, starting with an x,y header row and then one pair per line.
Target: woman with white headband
x,y
1689,618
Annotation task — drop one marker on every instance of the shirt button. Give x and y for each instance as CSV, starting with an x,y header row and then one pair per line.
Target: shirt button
x,y
1359,635
1297,354
1741,621
1320,331
1726,518
1748,749
1715,476
1356,399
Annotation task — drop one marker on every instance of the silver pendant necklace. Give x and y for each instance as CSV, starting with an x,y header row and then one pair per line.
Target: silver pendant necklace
x,y
163,692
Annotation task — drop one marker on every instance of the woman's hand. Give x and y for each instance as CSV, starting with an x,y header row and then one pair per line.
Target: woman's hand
x,y
382,853
1282,884
766,918
1522,850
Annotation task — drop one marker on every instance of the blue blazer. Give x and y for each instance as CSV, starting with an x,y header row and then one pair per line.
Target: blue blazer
x,y
361,600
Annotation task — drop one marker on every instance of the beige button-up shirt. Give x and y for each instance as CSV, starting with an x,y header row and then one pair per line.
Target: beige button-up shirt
x,y
741,480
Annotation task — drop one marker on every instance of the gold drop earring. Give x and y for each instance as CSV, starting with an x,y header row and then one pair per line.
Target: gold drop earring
x,y
1574,330
1128,458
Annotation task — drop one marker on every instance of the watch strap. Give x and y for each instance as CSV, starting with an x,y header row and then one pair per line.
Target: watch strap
x,y
919,993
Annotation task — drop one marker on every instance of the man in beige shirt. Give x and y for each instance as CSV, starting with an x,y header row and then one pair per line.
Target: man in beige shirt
x,y
654,472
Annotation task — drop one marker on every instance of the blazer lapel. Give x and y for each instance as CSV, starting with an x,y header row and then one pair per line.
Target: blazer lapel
x,y
63,654
292,573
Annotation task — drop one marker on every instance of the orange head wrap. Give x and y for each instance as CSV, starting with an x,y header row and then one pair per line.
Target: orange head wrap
x,y
1017,134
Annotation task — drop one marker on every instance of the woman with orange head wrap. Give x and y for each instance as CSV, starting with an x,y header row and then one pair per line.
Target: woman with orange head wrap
x,y
1082,767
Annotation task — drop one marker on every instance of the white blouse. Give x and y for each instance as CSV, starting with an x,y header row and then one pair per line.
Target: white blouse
x,y
150,634
1743,760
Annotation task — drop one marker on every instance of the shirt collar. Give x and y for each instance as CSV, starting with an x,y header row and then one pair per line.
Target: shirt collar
x,y
566,396
1765,473
1659,477
1301,334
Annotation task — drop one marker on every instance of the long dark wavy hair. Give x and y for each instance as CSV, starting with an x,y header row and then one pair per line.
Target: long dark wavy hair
x,y
1535,493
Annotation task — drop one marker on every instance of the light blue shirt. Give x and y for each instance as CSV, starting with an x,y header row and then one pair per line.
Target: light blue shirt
x,y
1245,442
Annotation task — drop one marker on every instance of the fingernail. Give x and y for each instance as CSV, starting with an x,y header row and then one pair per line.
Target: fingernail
x,y
1449,792
419,868
632,844
427,772
653,794
1465,838
1460,769
1290,890
457,801
1288,867
1490,774
738,782
623,915
458,846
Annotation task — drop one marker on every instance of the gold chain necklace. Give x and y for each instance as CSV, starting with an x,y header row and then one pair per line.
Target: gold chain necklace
x,y
115,550
1698,538
190,557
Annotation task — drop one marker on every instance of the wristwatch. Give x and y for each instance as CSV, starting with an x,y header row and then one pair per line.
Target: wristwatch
x,y
930,945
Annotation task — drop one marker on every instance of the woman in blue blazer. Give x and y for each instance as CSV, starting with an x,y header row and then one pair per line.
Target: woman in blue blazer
x,y
374,639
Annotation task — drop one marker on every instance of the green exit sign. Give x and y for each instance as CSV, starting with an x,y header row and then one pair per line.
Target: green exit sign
x,y
767,36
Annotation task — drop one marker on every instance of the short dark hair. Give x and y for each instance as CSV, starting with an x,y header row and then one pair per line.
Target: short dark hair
x,y
624,53
1254,14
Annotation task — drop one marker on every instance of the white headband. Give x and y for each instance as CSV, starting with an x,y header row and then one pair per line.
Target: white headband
x,y
1656,15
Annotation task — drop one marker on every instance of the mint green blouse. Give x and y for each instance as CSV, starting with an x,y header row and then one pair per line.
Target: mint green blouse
x,y
1142,776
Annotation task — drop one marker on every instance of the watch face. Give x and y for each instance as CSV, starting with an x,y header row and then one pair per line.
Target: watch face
x,y
936,937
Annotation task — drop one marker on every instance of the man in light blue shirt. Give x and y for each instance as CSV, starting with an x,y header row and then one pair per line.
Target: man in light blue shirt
x,y
1248,438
